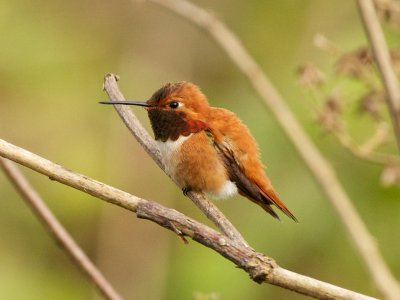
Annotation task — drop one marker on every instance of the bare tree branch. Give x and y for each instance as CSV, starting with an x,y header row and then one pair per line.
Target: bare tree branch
x,y
57,231
261,269
65,176
382,58
207,207
319,166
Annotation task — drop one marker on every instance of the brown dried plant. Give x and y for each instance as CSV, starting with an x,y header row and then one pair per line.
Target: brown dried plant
x,y
352,85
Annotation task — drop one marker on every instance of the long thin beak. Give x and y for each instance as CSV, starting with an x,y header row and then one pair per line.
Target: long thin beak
x,y
138,103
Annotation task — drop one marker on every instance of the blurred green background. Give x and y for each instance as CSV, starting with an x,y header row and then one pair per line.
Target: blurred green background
x,y
53,55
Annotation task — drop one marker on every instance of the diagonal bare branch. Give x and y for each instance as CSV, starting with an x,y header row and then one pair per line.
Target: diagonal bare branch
x,y
382,58
323,172
57,231
261,268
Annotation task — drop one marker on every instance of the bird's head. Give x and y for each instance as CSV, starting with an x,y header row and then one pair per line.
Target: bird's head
x,y
175,109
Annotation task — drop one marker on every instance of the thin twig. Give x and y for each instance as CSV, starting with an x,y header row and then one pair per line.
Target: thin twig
x,y
57,231
382,58
366,151
261,269
323,172
141,135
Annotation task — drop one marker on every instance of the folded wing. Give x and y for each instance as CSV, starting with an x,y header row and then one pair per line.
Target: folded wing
x,y
254,189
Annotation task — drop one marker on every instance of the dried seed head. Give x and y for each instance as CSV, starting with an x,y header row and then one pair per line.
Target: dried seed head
x,y
309,75
389,11
355,64
329,116
371,103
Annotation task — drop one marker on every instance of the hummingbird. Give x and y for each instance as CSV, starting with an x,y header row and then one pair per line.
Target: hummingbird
x,y
207,149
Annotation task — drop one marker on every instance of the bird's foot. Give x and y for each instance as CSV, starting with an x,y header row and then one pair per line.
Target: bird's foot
x,y
186,190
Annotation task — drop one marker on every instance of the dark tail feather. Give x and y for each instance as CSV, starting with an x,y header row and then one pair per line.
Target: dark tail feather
x,y
273,198
266,207
269,210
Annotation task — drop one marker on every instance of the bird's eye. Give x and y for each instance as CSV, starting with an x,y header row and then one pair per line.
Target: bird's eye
x,y
174,104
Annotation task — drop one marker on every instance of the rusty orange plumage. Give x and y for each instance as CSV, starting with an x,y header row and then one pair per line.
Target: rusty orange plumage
x,y
207,149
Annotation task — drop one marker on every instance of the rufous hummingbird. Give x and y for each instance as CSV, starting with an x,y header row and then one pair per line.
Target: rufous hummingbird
x,y
207,149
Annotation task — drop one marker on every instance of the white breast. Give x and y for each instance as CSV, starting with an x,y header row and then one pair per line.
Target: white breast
x,y
170,158
169,152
